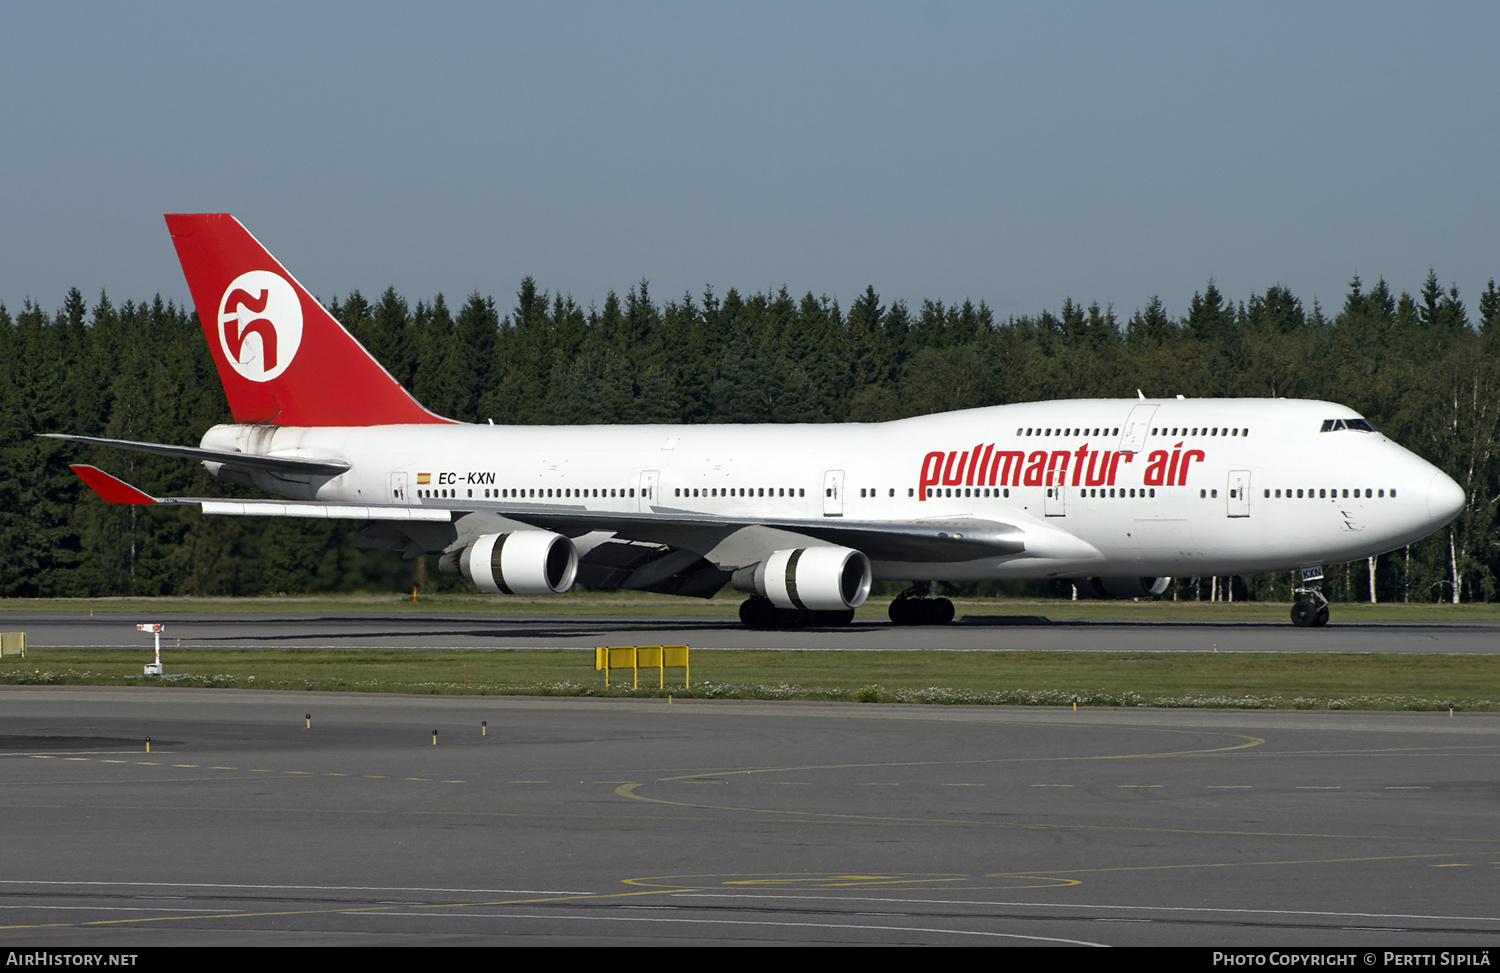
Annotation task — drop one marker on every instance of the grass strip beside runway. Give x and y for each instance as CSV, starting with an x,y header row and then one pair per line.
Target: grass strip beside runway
x,y
589,603
1226,679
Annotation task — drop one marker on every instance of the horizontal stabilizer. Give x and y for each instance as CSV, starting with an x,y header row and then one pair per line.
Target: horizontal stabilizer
x,y
110,489
278,464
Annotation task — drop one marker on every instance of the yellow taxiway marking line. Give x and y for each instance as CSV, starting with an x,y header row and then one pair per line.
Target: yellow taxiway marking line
x,y
1140,785
978,785
1450,865
355,909
1043,873
1310,787
1228,787
629,791
1051,785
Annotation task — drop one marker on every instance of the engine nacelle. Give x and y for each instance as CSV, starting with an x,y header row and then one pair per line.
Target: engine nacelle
x,y
810,578
1125,587
522,562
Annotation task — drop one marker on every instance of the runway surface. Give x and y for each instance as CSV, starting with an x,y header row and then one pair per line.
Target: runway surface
x,y
432,631
643,822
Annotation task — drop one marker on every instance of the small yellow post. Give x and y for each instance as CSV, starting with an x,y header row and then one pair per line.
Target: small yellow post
x,y
148,744
434,738
484,728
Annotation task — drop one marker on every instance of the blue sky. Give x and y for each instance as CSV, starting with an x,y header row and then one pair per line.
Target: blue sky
x,y
1015,153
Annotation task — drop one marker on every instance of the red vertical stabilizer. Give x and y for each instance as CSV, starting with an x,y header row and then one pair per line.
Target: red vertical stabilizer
x,y
281,356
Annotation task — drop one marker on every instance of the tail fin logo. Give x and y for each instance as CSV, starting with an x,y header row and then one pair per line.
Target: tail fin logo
x,y
260,324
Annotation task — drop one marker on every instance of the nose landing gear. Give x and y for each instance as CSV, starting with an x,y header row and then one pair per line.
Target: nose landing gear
x,y
1310,609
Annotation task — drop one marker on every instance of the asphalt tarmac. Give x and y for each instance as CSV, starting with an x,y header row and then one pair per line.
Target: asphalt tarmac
x,y
644,822
512,631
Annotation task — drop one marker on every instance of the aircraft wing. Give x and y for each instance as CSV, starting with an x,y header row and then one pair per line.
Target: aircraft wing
x,y
912,541
921,541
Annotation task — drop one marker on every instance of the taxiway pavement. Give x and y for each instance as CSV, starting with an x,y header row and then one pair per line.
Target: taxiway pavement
x,y
650,823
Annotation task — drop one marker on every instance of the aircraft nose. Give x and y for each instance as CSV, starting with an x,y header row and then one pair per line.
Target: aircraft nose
x,y
1444,498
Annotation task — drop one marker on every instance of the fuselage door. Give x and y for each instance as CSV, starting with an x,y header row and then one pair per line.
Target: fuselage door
x,y
1133,436
647,494
1054,502
398,488
833,493
1239,493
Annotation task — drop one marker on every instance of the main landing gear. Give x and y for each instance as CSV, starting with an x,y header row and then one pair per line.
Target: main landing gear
x,y
1310,609
914,607
758,612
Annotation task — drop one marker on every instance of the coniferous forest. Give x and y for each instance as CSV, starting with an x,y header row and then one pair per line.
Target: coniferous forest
x,y
1419,367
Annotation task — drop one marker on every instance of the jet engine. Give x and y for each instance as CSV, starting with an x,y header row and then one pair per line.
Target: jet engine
x,y
522,562
1124,587
810,578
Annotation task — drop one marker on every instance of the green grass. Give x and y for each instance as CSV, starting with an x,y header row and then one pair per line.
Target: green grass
x,y
727,606
1227,679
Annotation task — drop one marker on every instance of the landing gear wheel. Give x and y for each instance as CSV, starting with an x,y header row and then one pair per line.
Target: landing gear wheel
x,y
758,613
909,609
1305,614
1322,618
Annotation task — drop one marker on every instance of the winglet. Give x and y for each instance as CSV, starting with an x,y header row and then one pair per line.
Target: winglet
x,y
110,489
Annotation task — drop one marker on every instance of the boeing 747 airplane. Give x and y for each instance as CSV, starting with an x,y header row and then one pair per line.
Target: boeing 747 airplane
x,y
1116,494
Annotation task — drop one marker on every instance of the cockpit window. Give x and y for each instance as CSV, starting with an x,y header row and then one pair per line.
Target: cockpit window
x,y
1338,425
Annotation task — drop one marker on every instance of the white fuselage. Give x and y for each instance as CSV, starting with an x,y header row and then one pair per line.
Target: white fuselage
x,y
1098,487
